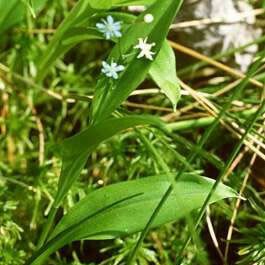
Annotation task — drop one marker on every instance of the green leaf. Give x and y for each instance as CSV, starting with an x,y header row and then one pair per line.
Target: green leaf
x,y
14,11
163,72
134,2
75,150
101,4
108,95
124,208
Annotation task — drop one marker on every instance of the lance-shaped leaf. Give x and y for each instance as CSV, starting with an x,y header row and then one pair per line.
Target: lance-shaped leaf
x,y
124,208
106,101
75,150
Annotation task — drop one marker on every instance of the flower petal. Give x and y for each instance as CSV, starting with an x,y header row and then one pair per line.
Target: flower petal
x,y
115,75
120,68
100,26
110,19
117,34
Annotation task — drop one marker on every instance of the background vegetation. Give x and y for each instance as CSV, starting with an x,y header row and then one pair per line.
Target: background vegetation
x,y
36,116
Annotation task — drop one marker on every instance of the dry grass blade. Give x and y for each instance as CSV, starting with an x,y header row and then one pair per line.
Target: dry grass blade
x,y
212,110
221,66
239,199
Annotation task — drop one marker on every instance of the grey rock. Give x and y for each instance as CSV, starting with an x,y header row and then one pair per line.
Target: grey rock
x,y
235,29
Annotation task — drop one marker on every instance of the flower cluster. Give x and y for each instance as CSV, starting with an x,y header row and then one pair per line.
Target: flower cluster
x,y
111,29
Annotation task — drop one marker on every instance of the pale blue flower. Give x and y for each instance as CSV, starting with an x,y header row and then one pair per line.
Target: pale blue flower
x,y
111,70
110,28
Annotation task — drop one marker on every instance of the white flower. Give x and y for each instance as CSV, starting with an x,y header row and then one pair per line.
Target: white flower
x,y
148,18
110,28
111,70
145,49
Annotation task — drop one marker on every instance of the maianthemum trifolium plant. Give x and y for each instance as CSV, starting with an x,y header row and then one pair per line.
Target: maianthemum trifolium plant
x,y
140,51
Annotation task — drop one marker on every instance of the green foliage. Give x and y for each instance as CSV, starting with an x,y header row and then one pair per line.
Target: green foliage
x,y
122,209
162,71
105,102
10,231
123,248
251,242
252,249
75,150
57,191
78,16
14,11
109,101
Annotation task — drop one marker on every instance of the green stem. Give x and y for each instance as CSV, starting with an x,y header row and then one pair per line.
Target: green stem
x,y
201,122
47,227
